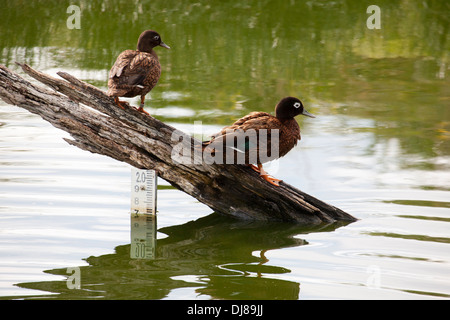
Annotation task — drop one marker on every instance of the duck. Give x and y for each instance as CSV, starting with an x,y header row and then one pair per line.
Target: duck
x,y
136,72
258,137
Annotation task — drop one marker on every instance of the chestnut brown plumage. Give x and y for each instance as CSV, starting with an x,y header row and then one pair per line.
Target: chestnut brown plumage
x,y
136,72
243,138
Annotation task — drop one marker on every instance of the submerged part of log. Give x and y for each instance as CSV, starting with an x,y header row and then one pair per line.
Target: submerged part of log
x,y
98,125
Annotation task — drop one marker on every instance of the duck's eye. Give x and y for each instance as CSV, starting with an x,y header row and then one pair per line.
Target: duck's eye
x,y
297,105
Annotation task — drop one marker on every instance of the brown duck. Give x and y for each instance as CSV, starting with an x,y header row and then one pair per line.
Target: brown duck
x,y
136,72
258,137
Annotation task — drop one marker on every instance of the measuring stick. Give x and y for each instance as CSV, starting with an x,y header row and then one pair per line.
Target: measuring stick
x,y
143,191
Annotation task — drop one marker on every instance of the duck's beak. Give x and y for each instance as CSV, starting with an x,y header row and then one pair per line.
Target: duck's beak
x,y
306,113
162,44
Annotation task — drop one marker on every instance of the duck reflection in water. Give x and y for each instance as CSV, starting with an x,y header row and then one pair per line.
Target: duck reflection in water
x,y
214,254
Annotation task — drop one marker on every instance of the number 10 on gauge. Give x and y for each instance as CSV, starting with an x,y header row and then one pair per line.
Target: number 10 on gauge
x,y
143,191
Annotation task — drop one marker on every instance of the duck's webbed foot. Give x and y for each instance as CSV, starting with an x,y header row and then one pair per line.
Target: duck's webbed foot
x,y
122,104
141,109
271,179
265,175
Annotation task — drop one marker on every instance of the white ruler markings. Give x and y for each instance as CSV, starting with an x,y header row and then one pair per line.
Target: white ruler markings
x,y
143,213
143,191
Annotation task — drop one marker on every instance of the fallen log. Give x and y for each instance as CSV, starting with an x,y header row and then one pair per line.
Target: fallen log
x,y
98,125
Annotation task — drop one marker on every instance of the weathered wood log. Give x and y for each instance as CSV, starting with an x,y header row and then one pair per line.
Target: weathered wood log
x,y
98,125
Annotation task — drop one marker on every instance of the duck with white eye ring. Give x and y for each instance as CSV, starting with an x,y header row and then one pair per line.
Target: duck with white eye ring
x,y
283,121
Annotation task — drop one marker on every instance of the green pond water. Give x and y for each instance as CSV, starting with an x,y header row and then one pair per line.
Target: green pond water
x,y
378,149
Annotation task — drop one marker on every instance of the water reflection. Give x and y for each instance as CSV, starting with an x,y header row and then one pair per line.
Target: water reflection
x,y
214,256
143,236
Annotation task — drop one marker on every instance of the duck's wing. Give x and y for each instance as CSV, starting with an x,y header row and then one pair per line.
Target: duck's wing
x,y
122,61
251,119
133,67
244,136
